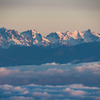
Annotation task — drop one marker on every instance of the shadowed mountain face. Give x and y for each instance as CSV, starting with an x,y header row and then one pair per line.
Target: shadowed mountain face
x,y
17,55
32,37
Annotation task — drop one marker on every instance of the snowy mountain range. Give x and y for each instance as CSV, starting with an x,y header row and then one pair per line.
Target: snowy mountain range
x,y
32,37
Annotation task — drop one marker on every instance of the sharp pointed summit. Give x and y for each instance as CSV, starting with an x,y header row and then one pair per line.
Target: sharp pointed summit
x,y
89,31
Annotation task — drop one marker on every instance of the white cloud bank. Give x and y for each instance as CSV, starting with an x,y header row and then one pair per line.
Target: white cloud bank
x,y
52,74
54,82
49,92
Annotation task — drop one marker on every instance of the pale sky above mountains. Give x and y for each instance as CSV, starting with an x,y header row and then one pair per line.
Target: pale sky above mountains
x,y
50,15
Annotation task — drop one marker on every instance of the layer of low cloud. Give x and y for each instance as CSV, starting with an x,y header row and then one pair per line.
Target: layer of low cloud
x,y
52,74
48,92
51,81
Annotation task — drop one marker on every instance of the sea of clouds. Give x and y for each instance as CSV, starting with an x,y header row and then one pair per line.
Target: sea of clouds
x,y
51,82
49,92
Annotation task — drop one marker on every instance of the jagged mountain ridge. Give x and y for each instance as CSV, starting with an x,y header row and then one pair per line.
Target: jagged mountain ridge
x,y
32,37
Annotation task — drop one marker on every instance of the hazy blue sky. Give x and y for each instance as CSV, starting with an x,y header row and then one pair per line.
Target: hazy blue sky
x,y
50,15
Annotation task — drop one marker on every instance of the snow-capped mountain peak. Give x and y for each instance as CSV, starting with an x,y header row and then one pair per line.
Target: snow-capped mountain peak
x,y
55,37
90,36
33,37
74,34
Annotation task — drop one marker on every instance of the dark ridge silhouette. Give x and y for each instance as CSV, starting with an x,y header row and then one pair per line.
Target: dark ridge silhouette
x,y
33,55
